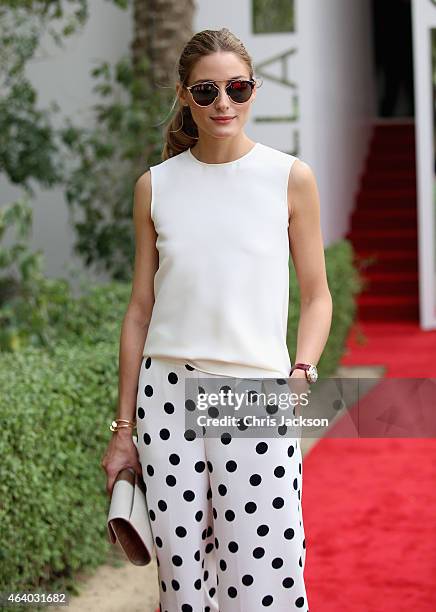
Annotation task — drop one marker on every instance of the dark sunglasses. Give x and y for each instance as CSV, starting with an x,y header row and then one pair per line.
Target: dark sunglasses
x,y
205,93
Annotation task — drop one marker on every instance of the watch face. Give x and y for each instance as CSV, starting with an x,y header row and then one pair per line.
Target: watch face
x,y
312,373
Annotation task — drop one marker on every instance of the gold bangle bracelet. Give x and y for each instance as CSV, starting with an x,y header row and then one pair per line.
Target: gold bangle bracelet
x,y
114,426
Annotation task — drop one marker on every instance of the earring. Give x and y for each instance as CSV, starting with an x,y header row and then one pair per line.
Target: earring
x,y
185,106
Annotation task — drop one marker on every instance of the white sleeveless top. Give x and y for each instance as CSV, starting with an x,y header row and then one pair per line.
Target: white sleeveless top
x,y
222,286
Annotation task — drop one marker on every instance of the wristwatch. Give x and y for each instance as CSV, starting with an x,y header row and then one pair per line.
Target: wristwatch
x,y
309,369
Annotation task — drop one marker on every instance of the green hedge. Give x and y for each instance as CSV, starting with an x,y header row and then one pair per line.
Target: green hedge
x,y
344,284
55,409
54,414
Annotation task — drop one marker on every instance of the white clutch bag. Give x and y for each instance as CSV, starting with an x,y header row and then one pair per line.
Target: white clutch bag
x,y
128,520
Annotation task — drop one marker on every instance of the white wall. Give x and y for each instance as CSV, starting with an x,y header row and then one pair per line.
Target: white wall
x,y
64,75
423,19
338,102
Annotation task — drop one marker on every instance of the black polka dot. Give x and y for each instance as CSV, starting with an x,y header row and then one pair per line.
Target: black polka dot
x,y
175,584
226,438
230,515
289,533
250,507
141,413
299,602
278,502
174,459
279,472
261,448
190,435
222,489
171,480
290,451
223,565
200,466
173,378
146,438
247,579
295,483
267,600
169,407
262,530
150,470
147,362
148,390
188,495
255,480
177,560
271,408
231,465
189,367
277,562
233,546
258,552
199,515
213,412
162,505
190,405
232,592
164,434
288,583
181,531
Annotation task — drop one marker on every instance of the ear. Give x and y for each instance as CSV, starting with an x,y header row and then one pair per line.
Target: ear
x,y
181,93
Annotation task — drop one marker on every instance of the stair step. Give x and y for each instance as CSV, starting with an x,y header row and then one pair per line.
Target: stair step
x,y
365,200
381,164
386,307
379,180
396,282
383,238
386,261
380,218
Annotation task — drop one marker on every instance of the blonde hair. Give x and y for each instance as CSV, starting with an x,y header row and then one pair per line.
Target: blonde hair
x,y
181,133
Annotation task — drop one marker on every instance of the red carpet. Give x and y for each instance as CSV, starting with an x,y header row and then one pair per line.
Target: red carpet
x,y
369,511
384,225
369,503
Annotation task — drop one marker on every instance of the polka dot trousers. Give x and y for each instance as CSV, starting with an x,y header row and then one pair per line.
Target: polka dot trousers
x,y
225,511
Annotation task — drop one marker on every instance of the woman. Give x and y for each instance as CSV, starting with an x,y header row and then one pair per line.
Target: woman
x,y
215,222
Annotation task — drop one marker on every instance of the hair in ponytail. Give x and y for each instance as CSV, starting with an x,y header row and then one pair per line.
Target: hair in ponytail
x,y
181,133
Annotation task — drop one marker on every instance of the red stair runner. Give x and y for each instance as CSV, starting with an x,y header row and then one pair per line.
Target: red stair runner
x,y
383,226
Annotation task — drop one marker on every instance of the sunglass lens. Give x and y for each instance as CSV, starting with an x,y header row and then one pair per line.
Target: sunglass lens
x,y
240,91
204,93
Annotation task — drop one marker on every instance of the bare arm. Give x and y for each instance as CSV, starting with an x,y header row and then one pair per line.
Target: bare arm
x,y
307,250
137,318
121,451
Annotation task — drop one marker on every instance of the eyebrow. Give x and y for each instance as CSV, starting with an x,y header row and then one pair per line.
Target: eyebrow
x,y
240,76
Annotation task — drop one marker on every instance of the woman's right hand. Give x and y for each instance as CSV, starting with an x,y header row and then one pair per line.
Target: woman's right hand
x,y
121,452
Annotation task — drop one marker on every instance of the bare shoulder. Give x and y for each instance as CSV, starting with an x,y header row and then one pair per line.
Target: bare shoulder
x,y
142,196
302,187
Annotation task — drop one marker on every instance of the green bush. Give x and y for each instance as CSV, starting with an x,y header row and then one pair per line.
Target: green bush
x,y
344,283
55,413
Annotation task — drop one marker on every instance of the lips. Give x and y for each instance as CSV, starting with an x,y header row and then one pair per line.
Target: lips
x,y
223,119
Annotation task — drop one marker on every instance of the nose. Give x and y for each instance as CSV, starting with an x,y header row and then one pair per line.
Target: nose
x,y
222,98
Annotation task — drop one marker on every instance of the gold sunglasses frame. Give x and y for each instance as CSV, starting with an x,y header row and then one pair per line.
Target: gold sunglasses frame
x,y
228,81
